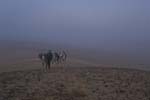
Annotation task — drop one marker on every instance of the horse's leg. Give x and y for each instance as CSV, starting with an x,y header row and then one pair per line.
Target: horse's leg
x,y
46,69
43,66
42,63
48,65
59,60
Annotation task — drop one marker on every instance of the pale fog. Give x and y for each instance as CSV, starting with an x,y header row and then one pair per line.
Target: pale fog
x,y
102,30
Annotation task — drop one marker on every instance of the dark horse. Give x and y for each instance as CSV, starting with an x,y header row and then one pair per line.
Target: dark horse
x,y
46,59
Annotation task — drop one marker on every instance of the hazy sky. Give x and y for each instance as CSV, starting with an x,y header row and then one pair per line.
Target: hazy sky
x,y
111,24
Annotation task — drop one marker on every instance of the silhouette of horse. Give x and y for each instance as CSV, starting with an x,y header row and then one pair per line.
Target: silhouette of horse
x,y
46,59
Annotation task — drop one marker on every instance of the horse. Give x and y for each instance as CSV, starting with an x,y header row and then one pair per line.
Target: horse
x,y
57,57
63,56
42,58
46,59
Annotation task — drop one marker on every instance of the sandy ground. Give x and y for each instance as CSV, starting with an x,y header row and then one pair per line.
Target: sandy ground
x,y
75,83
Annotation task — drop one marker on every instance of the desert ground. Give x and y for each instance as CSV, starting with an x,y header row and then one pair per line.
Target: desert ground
x,y
75,83
22,77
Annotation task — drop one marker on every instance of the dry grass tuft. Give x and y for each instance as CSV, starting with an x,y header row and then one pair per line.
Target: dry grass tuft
x,y
77,90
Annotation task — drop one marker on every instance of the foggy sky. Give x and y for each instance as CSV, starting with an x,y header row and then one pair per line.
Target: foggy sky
x,y
108,24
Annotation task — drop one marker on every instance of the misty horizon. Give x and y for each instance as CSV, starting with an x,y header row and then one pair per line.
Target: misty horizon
x,y
115,27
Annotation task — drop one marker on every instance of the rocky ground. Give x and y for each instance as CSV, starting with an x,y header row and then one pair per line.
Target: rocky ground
x,y
75,83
